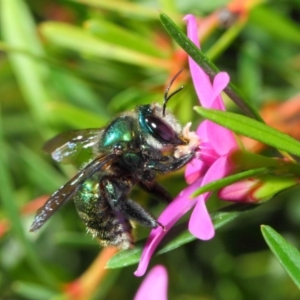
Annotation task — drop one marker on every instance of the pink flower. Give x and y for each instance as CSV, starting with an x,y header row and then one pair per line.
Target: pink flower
x,y
154,286
216,143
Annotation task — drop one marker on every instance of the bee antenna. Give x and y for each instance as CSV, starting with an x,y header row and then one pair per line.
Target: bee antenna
x,y
168,97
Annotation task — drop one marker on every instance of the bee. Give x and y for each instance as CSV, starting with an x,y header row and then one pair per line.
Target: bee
x,y
130,151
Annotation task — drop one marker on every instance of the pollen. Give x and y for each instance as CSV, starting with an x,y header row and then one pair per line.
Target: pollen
x,y
193,142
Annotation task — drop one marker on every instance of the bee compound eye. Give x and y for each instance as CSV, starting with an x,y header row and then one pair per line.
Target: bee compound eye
x,y
161,130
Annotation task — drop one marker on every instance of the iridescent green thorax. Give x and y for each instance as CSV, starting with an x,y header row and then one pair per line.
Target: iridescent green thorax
x,y
122,129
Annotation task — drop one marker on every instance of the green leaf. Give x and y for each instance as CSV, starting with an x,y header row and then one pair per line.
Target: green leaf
x,y
250,71
40,172
110,32
218,184
130,9
30,72
209,68
275,23
11,210
69,114
77,39
74,239
79,93
252,128
177,236
28,290
288,255
225,40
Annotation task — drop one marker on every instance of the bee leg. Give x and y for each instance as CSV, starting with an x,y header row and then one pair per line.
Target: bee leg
x,y
172,165
116,194
157,190
135,212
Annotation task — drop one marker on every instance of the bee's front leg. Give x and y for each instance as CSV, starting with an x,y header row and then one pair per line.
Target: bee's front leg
x,y
171,165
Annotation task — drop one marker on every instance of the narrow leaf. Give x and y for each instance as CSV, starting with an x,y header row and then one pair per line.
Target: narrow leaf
x,y
253,129
210,69
284,28
287,254
69,114
250,71
225,40
31,73
112,33
130,9
77,39
32,291
11,210
218,184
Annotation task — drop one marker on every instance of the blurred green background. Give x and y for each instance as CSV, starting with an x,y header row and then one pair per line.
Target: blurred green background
x,y
76,64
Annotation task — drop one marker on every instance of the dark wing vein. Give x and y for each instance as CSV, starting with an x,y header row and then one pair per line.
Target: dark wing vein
x,y
68,190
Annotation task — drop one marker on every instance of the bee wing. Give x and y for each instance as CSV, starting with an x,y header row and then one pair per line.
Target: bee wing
x,y
68,190
74,147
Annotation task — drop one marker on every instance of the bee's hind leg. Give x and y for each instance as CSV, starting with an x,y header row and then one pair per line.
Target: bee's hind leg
x,y
116,193
156,190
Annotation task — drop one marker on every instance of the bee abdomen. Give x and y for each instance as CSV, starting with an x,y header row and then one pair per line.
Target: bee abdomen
x,y
111,229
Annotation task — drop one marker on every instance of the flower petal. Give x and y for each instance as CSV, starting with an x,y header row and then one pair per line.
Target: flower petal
x,y
194,170
207,154
154,286
192,29
200,79
173,212
220,82
153,240
222,140
200,224
201,131
219,169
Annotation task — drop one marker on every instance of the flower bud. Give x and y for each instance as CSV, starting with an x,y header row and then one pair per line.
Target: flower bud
x,y
257,190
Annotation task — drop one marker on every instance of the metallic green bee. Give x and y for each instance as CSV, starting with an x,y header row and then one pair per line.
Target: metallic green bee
x,y
128,152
